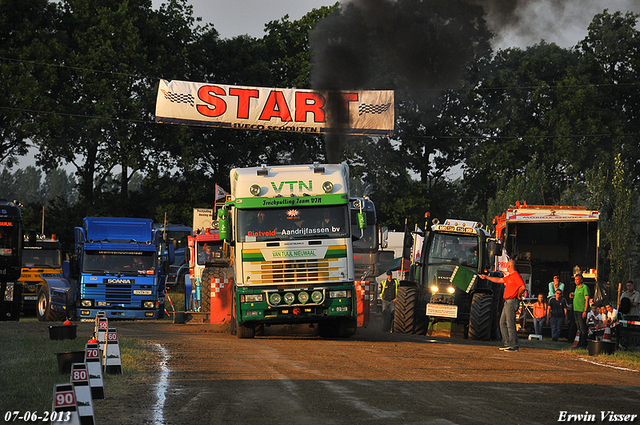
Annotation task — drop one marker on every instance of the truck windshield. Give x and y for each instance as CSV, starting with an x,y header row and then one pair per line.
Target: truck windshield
x,y
41,258
121,262
281,224
8,239
455,249
178,238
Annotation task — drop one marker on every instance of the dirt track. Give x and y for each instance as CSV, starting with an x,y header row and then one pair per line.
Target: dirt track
x,y
209,377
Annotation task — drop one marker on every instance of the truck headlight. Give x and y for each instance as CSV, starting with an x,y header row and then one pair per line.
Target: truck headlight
x,y
451,290
289,298
338,294
8,291
148,304
86,303
252,298
434,289
303,297
316,296
275,298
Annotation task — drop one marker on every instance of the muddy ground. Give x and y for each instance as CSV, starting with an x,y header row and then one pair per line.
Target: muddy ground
x,y
204,375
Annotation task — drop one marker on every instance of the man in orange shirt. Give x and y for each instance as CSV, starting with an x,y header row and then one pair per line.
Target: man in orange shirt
x,y
513,289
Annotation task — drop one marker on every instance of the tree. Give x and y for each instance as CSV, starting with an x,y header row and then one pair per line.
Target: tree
x,y
25,49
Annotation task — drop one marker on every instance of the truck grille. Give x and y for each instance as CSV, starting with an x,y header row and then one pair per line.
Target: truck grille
x,y
292,271
118,294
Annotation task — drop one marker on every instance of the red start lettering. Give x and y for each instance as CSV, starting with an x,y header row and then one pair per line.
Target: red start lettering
x,y
216,106
275,105
244,96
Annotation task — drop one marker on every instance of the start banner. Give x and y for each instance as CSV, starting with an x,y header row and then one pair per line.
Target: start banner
x,y
358,112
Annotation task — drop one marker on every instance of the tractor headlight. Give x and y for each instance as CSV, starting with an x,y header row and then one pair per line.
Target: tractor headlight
x,y
451,290
434,289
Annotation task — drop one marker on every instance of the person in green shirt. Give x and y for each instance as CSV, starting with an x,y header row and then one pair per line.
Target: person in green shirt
x,y
581,307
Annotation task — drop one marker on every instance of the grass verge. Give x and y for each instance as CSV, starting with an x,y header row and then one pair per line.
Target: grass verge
x,y
29,366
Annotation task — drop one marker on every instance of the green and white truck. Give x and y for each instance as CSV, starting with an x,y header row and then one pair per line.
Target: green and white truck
x,y
289,227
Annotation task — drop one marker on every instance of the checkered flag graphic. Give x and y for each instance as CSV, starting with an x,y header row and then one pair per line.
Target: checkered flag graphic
x,y
178,97
367,108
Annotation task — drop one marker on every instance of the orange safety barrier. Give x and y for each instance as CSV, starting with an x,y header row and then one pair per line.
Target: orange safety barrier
x,y
221,301
363,295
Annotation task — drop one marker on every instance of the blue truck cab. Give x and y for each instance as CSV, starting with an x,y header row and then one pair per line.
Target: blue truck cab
x,y
121,268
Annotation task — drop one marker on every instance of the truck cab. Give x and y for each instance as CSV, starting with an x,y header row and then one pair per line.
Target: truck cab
x,y
11,241
41,256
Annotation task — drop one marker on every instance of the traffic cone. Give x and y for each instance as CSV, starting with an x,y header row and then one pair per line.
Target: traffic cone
x,y
94,367
606,337
111,358
64,410
80,381
576,340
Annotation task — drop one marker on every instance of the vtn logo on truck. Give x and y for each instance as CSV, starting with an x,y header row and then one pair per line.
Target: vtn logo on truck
x,y
301,185
121,281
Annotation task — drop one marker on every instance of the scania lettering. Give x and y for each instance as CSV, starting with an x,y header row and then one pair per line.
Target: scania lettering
x,y
293,257
121,264
11,240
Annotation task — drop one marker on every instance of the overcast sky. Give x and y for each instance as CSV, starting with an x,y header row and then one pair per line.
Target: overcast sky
x,y
563,22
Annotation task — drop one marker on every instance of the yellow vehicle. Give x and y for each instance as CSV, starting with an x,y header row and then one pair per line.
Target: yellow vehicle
x,y
41,258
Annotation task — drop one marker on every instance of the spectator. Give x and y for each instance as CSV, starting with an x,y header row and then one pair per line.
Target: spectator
x,y
580,308
633,296
612,315
553,285
539,314
557,311
388,293
513,290
594,318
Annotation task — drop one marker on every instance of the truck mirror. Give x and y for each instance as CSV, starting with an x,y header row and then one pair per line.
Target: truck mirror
x,y
172,253
223,224
362,221
187,254
384,237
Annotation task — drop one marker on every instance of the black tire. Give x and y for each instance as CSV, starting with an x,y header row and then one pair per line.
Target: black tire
x,y
43,306
245,331
409,318
480,317
205,292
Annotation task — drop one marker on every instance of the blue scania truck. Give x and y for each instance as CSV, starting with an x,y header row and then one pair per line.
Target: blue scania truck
x,y
121,266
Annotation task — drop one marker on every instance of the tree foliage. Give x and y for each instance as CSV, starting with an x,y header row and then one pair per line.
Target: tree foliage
x,y
542,124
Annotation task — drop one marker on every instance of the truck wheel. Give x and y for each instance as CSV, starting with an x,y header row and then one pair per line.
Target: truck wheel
x,y
205,292
43,306
245,331
328,329
480,317
408,318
